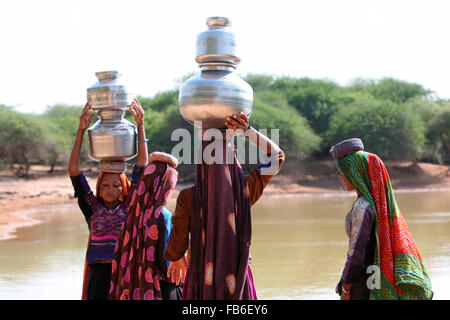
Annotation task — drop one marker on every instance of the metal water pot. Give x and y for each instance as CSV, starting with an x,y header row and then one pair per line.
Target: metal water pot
x,y
217,92
112,138
108,92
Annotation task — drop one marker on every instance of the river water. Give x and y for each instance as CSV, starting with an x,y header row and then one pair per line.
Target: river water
x,y
298,247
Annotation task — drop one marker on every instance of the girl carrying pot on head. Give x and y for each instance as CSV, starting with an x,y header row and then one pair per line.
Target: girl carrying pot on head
x,y
105,210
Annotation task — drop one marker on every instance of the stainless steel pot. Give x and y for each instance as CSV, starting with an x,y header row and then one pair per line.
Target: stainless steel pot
x,y
217,92
217,44
112,138
108,92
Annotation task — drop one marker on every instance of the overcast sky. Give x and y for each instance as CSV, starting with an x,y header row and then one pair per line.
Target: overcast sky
x,y
50,50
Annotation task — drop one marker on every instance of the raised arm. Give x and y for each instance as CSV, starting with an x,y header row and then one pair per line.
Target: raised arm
x,y
85,121
260,176
138,115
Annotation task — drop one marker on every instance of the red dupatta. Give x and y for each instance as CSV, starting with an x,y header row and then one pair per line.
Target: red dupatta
x,y
402,272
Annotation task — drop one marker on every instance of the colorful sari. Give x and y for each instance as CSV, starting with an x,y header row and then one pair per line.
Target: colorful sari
x,y
402,272
221,232
135,275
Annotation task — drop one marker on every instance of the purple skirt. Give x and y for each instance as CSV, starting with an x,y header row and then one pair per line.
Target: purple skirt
x,y
250,283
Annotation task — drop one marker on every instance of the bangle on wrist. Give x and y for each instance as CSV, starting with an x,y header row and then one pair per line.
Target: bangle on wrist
x,y
145,140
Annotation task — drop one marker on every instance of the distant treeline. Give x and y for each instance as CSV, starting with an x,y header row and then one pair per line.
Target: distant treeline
x,y
395,119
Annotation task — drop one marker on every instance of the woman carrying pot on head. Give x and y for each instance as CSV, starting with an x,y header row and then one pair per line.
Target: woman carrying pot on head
x,y
216,213
383,261
105,210
139,268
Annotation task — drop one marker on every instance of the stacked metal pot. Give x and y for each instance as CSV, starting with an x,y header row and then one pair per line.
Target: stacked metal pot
x,y
216,92
112,139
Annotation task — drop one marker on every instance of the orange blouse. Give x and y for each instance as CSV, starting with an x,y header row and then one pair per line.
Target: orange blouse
x,y
181,219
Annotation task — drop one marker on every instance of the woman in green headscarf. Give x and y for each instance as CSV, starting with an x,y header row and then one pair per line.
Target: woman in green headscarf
x,y
383,261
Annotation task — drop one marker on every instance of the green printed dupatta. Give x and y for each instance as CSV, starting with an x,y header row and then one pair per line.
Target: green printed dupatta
x,y
402,273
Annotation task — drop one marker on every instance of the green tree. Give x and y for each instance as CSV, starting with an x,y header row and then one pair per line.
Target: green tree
x,y
316,100
66,118
259,82
160,101
387,129
26,139
439,136
434,113
390,89
296,136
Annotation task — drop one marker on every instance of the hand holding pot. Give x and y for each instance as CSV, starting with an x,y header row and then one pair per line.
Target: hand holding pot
x,y
237,122
85,118
139,113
